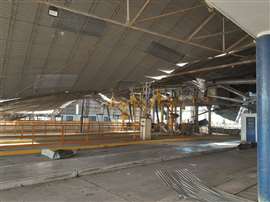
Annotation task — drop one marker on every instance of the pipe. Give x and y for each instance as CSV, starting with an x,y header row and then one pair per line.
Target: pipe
x,y
82,113
209,120
156,109
234,81
226,98
130,112
234,91
108,112
128,13
223,35
217,67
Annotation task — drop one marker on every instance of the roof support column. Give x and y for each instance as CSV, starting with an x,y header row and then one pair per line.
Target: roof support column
x,y
263,114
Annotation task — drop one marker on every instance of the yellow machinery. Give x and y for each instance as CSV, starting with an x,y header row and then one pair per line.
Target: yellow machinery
x,y
157,102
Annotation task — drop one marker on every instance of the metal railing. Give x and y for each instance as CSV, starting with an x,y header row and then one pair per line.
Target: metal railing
x,y
61,132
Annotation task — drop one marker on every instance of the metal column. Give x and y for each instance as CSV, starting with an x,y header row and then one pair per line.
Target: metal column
x,y
263,114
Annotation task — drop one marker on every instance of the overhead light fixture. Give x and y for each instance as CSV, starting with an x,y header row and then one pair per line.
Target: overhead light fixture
x,y
157,77
220,55
167,71
53,11
182,64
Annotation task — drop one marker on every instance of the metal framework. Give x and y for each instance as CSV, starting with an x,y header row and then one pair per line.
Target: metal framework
x,y
237,43
199,28
172,38
139,12
181,11
215,34
234,91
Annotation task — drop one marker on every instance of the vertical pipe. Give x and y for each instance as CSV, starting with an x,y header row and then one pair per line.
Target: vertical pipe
x,y
62,134
134,113
263,116
82,113
223,35
209,120
162,114
108,112
33,133
181,115
147,112
128,13
196,121
175,113
130,112
156,110
153,114
167,116
196,111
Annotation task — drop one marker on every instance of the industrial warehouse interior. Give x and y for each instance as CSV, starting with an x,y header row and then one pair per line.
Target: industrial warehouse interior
x,y
134,100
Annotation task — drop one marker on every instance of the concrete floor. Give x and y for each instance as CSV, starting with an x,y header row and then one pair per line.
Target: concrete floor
x,y
231,171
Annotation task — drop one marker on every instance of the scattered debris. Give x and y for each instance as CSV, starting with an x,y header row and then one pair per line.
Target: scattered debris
x,y
188,186
58,154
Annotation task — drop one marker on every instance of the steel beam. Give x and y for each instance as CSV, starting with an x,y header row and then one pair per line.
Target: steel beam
x,y
215,34
139,12
206,69
202,24
227,99
233,81
263,116
169,14
234,91
236,43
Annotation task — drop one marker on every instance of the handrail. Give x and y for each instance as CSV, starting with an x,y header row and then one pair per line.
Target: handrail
x,y
61,132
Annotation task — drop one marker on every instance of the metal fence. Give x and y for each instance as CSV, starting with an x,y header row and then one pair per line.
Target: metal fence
x,y
61,132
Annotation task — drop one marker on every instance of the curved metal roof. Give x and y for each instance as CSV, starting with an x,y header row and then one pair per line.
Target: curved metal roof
x,y
91,45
